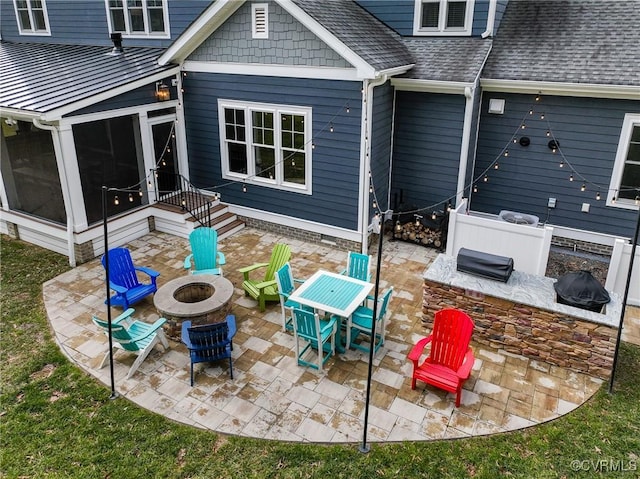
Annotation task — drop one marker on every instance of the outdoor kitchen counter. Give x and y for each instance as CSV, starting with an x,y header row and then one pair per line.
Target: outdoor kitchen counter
x,y
523,288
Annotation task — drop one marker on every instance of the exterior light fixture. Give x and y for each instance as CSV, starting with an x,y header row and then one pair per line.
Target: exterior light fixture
x,y
162,92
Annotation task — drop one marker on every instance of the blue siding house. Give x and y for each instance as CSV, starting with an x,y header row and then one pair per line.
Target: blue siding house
x,y
317,116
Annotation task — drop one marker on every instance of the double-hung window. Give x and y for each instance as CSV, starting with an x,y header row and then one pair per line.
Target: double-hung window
x,y
443,17
138,18
32,17
266,144
624,189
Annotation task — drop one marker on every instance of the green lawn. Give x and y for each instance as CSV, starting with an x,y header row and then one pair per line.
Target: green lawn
x,y
55,421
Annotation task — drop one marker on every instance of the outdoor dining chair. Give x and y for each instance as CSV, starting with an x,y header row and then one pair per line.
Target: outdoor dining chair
x,y
286,285
358,266
361,321
318,334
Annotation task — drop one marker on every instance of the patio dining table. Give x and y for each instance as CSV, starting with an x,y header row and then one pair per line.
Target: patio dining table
x,y
333,293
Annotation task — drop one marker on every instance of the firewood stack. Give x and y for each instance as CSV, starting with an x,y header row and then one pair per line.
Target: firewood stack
x,y
416,232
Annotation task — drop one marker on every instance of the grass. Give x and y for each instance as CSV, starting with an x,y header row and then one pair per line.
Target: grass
x,y
55,421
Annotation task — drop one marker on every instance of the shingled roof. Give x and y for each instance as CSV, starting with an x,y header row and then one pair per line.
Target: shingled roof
x,y
570,41
447,59
364,34
40,78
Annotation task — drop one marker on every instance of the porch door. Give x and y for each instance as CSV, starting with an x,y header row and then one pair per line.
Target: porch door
x,y
164,148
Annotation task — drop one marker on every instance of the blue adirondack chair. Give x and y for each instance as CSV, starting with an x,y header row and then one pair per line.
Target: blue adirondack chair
x,y
123,279
319,335
361,321
358,266
134,336
204,252
286,285
210,342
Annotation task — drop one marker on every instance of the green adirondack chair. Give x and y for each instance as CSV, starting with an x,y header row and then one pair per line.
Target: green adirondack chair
x,y
134,336
266,289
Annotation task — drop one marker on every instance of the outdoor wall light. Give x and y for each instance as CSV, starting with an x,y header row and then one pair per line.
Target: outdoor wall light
x,y
162,92
525,141
553,145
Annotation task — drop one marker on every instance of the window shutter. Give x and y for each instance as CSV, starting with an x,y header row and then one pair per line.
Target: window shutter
x,y
260,20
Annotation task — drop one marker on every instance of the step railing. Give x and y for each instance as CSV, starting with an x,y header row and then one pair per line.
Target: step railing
x,y
174,189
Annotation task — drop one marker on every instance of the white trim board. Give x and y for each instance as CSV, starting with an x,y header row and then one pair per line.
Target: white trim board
x,y
264,69
561,89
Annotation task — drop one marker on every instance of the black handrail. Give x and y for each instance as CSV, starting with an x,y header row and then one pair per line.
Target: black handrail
x,y
174,189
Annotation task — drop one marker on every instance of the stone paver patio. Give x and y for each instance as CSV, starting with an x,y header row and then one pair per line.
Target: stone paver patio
x,y
271,396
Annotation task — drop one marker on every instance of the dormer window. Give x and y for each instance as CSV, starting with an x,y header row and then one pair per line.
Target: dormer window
x,y
138,18
32,17
260,20
443,17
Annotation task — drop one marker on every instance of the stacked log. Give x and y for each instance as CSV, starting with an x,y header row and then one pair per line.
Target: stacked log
x,y
418,233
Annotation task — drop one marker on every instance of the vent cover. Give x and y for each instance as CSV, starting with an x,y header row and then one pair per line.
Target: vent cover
x,y
260,20
518,218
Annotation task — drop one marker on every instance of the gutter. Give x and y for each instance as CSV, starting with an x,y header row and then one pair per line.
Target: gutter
x,y
62,174
491,19
365,161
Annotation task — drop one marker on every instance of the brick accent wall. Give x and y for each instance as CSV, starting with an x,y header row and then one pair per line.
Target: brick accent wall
x,y
554,338
12,230
582,245
84,252
300,234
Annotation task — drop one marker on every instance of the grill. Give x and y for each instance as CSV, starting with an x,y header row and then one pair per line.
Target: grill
x,y
581,290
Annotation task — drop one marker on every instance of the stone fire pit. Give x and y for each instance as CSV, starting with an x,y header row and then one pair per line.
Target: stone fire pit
x,y
202,299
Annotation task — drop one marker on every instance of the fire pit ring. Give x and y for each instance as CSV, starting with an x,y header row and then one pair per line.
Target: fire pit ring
x,y
202,299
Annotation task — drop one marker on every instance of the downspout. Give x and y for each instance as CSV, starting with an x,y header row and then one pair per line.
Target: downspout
x,y
469,94
62,173
366,163
491,19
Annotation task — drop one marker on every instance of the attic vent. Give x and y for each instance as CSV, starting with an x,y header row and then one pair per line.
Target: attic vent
x,y
260,20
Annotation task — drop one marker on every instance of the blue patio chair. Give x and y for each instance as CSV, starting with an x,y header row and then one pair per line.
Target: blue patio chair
x,y
319,334
361,321
123,279
210,342
358,266
286,285
204,252
134,336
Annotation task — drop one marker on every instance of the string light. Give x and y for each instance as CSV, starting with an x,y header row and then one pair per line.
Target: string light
x,y
583,187
475,188
548,133
140,193
331,127
637,200
244,188
348,109
523,126
530,112
375,205
542,116
538,97
116,200
506,153
313,146
398,226
562,163
598,196
485,179
371,189
433,215
515,139
496,166
130,198
417,219
570,177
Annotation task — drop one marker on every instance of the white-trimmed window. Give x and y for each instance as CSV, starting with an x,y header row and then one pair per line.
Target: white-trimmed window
x,y
260,20
625,180
443,17
138,18
32,17
266,144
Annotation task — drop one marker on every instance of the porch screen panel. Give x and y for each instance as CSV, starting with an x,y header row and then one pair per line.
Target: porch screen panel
x,y
110,154
30,171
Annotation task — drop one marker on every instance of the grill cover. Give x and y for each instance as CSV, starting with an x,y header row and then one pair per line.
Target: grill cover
x,y
581,290
487,265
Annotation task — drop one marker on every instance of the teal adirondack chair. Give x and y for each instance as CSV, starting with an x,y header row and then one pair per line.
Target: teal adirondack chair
x,y
320,334
358,266
361,321
134,336
204,252
266,288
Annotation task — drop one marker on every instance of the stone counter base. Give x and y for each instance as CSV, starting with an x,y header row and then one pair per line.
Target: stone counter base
x,y
555,338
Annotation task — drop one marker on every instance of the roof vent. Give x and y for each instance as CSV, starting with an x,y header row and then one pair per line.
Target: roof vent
x,y
116,38
518,218
260,20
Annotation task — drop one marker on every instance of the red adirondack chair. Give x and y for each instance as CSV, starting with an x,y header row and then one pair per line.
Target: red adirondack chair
x,y
450,360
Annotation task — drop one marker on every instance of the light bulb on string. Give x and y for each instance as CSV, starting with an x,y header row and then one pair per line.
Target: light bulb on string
x,y
506,153
523,126
163,162
293,162
183,201
561,163
116,200
149,183
531,112
398,227
598,196
433,215
168,150
583,187
313,146
542,116
496,166
270,176
348,109
140,193
538,97
637,200
515,139
375,205
331,127
570,177
370,189
130,198
418,219
475,188
548,133
614,199
448,206
485,179
244,188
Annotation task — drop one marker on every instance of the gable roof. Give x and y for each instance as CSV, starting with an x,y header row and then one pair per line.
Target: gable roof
x,y
344,26
51,80
579,42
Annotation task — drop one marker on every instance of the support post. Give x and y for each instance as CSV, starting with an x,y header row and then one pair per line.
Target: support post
x,y
114,394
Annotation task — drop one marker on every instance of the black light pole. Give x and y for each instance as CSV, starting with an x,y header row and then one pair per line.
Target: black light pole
x,y
364,447
624,302
114,394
